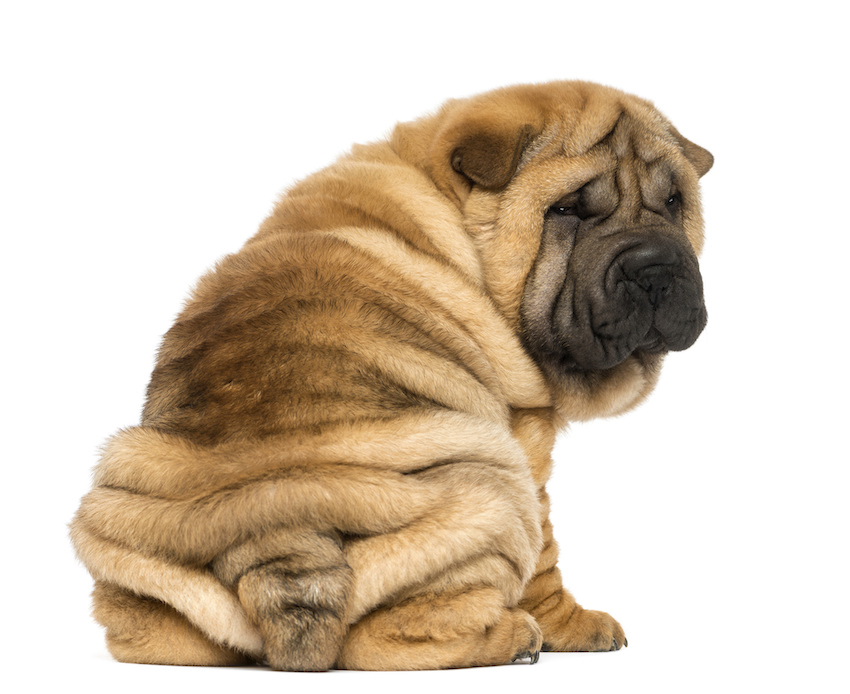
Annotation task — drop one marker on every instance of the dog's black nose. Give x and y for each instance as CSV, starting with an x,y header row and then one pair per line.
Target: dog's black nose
x,y
650,266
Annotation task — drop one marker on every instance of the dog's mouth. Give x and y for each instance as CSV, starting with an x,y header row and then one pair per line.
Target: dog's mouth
x,y
647,299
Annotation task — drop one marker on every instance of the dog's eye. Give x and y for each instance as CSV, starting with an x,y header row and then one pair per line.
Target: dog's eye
x,y
568,206
564,211
673,203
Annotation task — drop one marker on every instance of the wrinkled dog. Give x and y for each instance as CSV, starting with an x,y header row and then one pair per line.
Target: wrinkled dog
x,y
343,451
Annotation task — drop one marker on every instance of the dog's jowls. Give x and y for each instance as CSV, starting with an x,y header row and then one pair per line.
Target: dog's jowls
x,y
343,453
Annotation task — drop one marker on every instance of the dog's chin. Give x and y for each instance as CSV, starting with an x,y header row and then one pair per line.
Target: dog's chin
x,y
585,392
565,366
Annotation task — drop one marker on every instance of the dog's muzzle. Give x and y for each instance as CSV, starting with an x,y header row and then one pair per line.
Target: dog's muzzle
x,y
648,298
595,298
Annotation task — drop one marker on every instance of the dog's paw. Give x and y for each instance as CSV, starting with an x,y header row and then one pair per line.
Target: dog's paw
x,y
587,630
529,637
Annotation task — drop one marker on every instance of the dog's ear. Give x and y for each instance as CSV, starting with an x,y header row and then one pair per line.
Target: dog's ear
x,y
480,143
701,159
489,156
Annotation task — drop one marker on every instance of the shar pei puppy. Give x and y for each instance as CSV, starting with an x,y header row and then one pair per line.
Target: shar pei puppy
x,y
343,453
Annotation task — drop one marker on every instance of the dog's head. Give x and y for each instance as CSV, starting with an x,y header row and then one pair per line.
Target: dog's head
x,y
584,204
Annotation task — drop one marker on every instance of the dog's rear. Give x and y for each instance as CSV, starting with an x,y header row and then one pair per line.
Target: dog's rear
x,y
291,473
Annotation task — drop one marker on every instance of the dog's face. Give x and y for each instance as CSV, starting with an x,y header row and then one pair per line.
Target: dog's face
x,y
584,203
615,273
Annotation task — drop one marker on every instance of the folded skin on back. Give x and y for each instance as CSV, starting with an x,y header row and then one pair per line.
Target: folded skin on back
x,y
342,456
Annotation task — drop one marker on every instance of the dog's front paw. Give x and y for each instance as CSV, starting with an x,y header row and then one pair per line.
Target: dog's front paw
x,y
529,637
587,630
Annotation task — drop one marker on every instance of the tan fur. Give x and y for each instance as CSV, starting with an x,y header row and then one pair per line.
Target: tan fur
x,y
343,454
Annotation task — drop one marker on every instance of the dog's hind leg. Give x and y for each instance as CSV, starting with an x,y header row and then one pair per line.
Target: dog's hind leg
x,y
442,591
464,628
140,629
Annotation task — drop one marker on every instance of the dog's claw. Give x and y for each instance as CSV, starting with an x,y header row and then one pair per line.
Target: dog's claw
x,y
533,657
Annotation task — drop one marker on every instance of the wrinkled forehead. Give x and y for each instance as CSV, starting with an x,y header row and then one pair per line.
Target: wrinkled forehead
x,y
620,150
616,130
617,135
628,126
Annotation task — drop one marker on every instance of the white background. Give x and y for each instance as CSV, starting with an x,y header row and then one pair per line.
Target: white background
x,y
142,141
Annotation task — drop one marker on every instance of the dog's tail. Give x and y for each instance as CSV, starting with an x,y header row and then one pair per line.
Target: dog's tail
x,y
296,585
